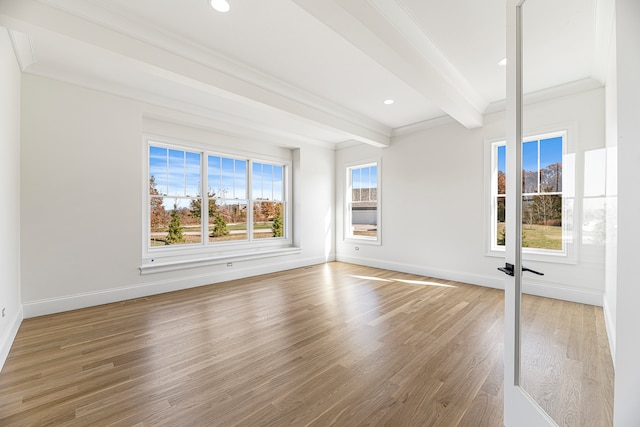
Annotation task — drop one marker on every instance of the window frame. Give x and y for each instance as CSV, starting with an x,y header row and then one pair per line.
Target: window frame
x,y
348,232
167,258
568,253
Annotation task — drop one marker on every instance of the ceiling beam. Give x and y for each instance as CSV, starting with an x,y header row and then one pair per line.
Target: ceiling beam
x,y
388,34
31,17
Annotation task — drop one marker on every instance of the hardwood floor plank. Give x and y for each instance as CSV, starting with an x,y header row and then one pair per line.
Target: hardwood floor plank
x,y
332,344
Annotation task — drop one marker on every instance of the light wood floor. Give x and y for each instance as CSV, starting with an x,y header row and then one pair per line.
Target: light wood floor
x,y
333,344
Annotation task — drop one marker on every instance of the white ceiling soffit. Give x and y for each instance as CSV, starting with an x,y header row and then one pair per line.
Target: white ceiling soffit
x,y
191,69
385,31
23,48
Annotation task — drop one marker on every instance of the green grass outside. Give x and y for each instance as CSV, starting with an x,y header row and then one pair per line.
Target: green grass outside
x,y
539,236
190,239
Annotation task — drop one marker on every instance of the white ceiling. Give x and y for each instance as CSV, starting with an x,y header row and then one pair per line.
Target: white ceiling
x,y
310,70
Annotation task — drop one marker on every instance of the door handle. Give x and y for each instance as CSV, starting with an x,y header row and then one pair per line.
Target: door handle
x,y
532,271
508,269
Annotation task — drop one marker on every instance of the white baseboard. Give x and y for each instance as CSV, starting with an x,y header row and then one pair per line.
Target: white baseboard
x,y
611,329
6,341
556,291
89,299
457,276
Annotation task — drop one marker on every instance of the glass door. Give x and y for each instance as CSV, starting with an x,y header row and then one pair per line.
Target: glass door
x,y
520,410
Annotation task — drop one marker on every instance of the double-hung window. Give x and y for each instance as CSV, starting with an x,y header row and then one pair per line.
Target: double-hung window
x,y
245,198
543,202
363,203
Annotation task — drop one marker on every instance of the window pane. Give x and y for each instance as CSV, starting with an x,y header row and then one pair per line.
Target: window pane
x,y
542,222
551,165
364,219
214,166
373,176
158,169
158,222
256,177
356,185
267,182
227,178
227,220
268,219
530,167
500,227
176,173
192,171
502,169
364,184
278,183
240,183
172,222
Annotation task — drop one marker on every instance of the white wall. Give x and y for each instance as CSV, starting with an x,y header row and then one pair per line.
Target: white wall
x,y
10,190
627,386
433,201
82,154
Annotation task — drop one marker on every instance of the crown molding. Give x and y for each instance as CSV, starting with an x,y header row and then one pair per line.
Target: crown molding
x,y
604,27
577,86
421,126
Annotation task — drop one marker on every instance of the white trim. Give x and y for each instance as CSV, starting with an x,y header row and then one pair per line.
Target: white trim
x,y
571,210
611,329
173,265
348,237
72,302
556,291
205,253
10,335
421,126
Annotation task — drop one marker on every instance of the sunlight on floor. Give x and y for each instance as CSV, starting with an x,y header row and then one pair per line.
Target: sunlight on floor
x,y
424,282
377,279
412,282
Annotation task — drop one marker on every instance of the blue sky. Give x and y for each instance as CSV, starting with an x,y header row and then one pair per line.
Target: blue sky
x,y
550,153
366,177
177,173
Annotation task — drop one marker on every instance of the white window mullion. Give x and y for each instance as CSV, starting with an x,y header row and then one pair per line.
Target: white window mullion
x,y
204,197
250,200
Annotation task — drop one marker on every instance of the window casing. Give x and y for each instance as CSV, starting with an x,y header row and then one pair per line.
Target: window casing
x,y
362,217
546,209
247,203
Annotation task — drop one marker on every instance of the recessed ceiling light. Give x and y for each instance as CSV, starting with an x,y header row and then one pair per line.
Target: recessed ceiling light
x,y
220,5
388,101
503,62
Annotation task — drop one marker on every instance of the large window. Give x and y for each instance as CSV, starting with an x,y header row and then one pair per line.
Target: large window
x,y
245,199
363,214
542,193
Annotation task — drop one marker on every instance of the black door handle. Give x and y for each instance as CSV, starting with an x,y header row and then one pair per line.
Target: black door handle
x,y
508,269
532,271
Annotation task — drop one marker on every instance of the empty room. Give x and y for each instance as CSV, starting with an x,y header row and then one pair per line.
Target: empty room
x,y
418,213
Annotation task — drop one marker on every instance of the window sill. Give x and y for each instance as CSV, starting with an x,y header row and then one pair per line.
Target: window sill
x,y
362,241
558,258
151,266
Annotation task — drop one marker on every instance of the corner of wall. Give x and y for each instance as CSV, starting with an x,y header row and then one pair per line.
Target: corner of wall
x,y
6,341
